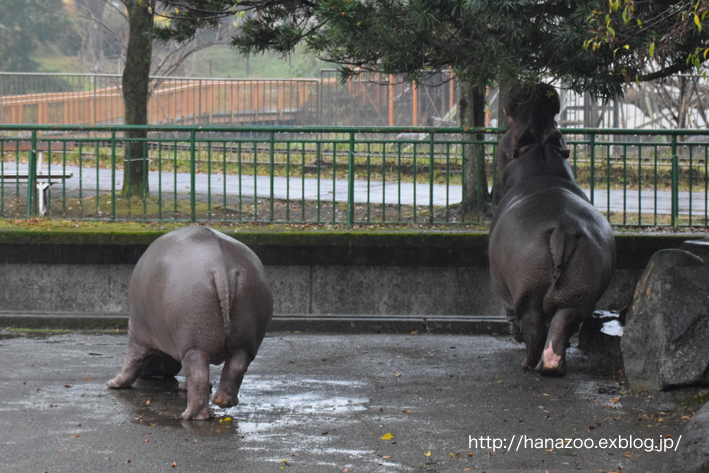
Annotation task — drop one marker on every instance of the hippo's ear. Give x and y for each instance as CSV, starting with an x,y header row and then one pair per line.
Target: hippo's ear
x,y
510,155
565,153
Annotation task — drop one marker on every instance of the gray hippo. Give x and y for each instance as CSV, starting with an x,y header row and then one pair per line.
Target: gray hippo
x,y
552,254
197,297
528,122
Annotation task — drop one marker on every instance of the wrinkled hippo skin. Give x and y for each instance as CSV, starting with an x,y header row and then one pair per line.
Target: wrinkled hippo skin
x,y
552,254
197,297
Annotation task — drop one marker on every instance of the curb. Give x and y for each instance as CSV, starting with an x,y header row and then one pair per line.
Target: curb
x,y
300,323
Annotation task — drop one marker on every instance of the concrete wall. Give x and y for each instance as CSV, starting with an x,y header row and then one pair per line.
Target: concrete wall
x,y
336,274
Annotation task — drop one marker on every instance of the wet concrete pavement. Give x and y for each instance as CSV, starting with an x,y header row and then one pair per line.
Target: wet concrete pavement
x,y
321,403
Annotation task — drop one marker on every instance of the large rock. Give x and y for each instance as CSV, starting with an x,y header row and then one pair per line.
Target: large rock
x,y
698,247
692,454
665,341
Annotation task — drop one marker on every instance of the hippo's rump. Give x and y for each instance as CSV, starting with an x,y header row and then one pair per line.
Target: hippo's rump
x,y
550,248
183,287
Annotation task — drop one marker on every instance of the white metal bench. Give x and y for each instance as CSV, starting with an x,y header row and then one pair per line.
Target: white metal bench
x,y
43,180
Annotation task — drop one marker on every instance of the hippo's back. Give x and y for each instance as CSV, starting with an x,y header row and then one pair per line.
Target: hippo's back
x,y
550,247
184,287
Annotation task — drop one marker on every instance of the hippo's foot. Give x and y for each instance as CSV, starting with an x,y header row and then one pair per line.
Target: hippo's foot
x,y
551,364
200,414
223,400
119,382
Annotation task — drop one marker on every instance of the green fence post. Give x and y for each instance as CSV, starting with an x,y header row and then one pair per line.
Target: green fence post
x,y
350,182
430,180
272,165
593,165
675,183
32,176
113,174
193,179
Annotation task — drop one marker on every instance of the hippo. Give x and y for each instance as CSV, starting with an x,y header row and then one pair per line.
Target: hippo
x,y
528,121
552,254
197,297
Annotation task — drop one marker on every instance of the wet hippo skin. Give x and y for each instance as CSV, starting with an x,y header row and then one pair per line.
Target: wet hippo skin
x,y
197,297
552,254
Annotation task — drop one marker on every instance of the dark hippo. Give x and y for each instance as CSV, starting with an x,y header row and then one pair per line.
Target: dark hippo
x,y
552,254
530,113
197,297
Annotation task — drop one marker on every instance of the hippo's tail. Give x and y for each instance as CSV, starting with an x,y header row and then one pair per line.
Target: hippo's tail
x,y
225,284
562,244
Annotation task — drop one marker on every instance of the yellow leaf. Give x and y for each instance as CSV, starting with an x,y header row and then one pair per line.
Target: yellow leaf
x,y
697,22
427,454
407,411
387,436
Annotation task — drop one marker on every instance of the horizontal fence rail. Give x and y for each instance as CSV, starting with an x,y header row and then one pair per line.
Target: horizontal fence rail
x,y
336,175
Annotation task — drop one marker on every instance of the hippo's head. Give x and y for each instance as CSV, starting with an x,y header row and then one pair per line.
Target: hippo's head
x,y
530,111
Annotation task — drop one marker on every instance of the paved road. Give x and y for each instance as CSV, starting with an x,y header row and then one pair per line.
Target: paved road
x,y
322,404
375,192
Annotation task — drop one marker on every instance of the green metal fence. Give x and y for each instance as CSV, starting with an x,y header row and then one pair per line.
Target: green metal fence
x,y
334,175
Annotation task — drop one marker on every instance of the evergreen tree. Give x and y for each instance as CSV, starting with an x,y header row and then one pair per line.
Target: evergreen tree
x,y
590,45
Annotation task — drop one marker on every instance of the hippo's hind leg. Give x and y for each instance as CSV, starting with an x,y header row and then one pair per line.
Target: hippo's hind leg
x,y
534,332
132,366
195,365
563,325
235,367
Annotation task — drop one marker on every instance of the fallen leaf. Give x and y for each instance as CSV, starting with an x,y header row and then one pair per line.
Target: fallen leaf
x,y
591,427
470,454
86,379
457,455
74,437
147,403
550,450
291,361
407,411
686,417
386,456
616,418
127,461
324,433
397,375
468,469
387,436
38,390
67,385
174,464
427,454
615,400
412,333
146,440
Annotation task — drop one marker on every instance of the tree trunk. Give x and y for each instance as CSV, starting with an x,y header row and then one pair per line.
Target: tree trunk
x,y
476,196
136,81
